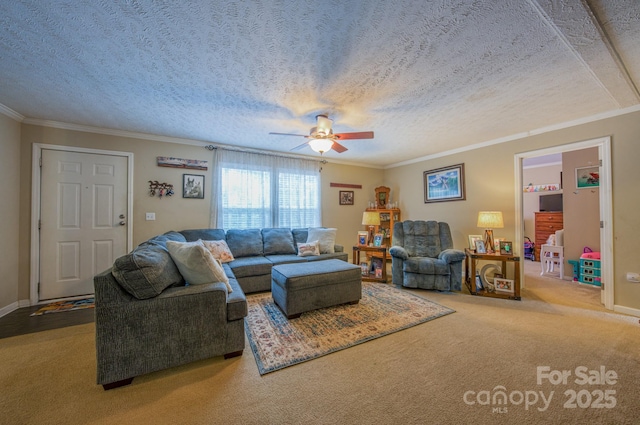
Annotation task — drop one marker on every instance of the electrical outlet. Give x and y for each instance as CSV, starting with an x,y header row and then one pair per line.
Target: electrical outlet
x,y
150,216
633,277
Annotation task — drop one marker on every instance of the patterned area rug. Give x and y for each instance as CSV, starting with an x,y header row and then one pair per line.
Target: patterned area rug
x,y
278,343
60,306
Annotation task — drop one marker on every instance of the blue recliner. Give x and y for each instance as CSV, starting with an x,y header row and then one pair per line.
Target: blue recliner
x,y
422,256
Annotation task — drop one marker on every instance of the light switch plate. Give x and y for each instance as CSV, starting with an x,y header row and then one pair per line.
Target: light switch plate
x,y
150,216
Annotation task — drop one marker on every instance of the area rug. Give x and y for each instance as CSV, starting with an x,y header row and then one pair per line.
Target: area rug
x,y
60,306
278,343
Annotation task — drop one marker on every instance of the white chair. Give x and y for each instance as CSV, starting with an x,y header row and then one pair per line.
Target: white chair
x,y
550,255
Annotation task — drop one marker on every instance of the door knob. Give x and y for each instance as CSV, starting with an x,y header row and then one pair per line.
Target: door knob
x,y
122,223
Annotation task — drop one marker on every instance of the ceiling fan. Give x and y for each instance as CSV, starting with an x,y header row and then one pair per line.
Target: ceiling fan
x,y
322,138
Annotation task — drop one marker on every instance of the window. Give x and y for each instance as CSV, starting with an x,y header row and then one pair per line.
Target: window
x,y
258,191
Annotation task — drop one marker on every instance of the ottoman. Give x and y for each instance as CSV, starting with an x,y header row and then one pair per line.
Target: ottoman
x,y
300,287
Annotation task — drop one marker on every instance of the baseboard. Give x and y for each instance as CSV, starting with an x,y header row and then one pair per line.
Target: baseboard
x,y
8,309
626,310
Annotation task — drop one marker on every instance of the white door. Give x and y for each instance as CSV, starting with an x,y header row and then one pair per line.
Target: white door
x,y
83,223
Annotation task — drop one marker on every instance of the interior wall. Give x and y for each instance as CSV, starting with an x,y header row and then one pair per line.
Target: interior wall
x,y
176,213
541,175
348,218
9,211
490,184
581,207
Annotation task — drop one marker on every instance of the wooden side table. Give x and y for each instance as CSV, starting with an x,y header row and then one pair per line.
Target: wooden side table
x,y
382,250
470,262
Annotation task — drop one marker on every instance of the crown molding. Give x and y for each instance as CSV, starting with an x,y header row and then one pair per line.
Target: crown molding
x,y
518,136
11,113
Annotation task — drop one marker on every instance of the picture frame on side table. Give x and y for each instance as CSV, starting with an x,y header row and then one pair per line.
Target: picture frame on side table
x,y
506,248
363,235
377,239
472,241
496,244
364,268
504,285
444,184
346,197
480,248
376,263
479,286
193,186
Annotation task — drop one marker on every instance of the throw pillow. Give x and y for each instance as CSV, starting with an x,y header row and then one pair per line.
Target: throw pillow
x,y
220,250
196,264
307,249
326,238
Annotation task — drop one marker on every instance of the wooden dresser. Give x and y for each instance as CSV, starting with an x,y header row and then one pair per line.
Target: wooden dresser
x,y
546,224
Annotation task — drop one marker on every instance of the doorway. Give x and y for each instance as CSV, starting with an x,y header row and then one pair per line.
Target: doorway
x,y
81,205
605,206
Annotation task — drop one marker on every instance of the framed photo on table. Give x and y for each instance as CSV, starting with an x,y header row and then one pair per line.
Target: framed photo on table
x,y
363,235
377,239
506,248
480,248
473,239
503,285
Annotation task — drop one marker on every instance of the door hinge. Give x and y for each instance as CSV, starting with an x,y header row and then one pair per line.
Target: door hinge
x,y
39,224
600,163
40,160
601,224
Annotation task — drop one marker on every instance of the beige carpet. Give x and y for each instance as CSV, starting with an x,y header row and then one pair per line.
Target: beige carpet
x,y
416,376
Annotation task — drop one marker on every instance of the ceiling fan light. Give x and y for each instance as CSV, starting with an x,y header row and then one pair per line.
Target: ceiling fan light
x,y
324,124
321,145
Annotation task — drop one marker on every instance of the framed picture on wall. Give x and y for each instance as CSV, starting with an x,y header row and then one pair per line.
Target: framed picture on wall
x,y
444,184
193,186
587,177
346,197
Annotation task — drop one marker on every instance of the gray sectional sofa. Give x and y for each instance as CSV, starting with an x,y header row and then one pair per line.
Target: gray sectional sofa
x,y
148,319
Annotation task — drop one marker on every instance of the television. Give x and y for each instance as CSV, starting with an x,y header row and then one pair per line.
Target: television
x,y
551,202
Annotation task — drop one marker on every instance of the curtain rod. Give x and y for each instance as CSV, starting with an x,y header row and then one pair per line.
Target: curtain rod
x,y
259,152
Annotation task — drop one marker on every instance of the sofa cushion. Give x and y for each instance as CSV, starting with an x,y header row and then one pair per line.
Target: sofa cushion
x,y
204,234
300,235
148,270
236,302
286,258
308,248
245,242
250,266
196,264
326,238
219,249
278,241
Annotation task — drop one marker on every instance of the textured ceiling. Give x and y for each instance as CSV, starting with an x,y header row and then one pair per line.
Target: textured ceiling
x,y
426,77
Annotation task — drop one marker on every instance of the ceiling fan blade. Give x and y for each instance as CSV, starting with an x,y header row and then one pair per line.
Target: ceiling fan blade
x,y
300,146
289,134
358,135
338,147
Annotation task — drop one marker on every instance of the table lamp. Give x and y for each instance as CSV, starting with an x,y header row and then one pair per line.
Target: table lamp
x,y
490,220
371,219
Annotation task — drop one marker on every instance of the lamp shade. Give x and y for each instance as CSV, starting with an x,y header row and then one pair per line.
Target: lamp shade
x,y
370,218
321,145
490,220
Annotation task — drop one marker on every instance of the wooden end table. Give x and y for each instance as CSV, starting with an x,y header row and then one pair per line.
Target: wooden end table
x,y
470,262
382,251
